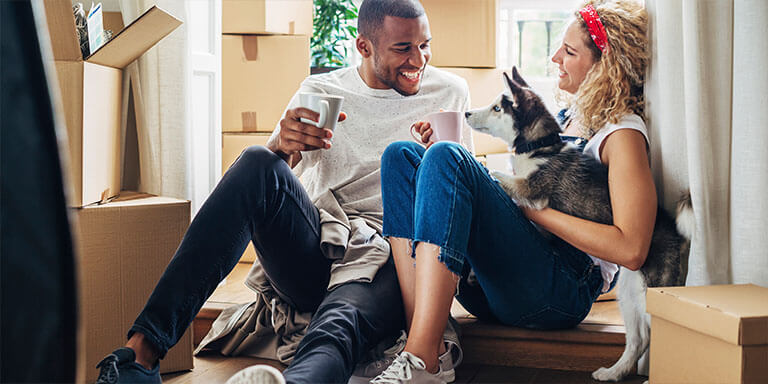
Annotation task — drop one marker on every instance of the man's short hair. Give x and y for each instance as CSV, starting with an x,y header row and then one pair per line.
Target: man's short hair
x,y
371,15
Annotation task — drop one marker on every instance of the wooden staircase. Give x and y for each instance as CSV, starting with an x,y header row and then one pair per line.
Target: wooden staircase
x,y
597,342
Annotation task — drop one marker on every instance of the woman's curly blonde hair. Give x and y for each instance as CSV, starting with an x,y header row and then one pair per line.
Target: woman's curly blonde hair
x,y
613,86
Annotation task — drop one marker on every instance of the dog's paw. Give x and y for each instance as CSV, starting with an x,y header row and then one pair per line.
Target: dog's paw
x,y
502,176
508,183
607,374
539,204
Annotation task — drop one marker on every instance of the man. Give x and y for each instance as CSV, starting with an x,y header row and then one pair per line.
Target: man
x,y
319,244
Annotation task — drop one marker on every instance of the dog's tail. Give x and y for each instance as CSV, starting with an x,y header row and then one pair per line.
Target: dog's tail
x,y
686,223
686,227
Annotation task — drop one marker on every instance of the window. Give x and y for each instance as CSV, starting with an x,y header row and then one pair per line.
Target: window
x,y
529,32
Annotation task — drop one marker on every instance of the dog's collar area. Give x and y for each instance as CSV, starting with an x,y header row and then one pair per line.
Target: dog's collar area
x,y
545,141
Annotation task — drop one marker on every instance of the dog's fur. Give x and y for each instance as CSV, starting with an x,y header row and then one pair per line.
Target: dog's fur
x,y
561,177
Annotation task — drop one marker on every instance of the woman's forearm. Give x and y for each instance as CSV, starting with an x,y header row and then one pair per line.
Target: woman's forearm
x,y
607,242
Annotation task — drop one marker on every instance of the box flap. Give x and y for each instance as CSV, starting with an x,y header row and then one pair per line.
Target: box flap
x,y
737,314
61,28
113,21
132,198
135,39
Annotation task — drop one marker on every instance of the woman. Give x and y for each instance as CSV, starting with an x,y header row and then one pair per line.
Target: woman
x,y
442,208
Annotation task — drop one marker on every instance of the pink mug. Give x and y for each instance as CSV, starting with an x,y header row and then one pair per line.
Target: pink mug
x,y
446,125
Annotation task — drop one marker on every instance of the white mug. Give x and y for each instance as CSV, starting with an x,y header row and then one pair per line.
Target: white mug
x,y
328,106
446,126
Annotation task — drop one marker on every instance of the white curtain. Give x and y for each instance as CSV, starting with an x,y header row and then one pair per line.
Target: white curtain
x,y
707,108
159,84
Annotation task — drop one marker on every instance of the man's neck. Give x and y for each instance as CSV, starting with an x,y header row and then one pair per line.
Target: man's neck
x,y
369,77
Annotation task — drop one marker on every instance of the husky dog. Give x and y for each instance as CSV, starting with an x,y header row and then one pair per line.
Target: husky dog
x,y
551,173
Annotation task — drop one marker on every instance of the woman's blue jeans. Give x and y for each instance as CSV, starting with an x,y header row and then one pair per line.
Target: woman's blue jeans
x,y
444,196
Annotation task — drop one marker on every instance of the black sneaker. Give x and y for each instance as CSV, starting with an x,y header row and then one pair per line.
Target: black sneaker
x,y
120,367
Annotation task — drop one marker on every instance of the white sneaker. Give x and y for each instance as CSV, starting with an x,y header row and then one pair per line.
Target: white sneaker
x,y
409,369
378,362
453,355
447,364
257,374
449,360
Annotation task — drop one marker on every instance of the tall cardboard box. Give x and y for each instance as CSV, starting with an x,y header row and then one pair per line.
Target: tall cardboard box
x,y
464,32
91,91
259,76
123,248
292,17
232,145
709,334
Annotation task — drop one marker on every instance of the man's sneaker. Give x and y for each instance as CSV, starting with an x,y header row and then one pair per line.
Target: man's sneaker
x,y
447,365
409,369
453,354
257,374
120,366
378,361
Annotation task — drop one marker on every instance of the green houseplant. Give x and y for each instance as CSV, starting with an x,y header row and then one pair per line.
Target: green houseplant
x,y
333,24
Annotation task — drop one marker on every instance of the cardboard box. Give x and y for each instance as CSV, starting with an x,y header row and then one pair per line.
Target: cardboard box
x,y
113,21
123,248
293,17
232,145
463,32
91,92
260,74
709,334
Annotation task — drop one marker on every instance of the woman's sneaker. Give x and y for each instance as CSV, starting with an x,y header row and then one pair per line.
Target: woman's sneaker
x,y
257,374
409,369
380,360
120,366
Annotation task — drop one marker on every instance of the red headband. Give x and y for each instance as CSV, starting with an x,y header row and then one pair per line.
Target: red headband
x,y
595,27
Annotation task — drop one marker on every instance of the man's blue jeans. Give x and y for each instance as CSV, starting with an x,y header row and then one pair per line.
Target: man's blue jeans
x,y
443,196
259,199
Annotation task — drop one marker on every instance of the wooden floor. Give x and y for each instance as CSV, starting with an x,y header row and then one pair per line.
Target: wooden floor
x,y
493,353
213,368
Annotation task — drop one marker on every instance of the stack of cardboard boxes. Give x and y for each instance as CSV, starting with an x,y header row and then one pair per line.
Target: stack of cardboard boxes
x,y
123,240
265,57
465,44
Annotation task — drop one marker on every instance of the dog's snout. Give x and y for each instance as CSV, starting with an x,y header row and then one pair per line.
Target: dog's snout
x,y
467,114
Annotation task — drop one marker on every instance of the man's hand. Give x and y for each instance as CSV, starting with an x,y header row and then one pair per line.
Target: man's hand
x,y
296,136
424,129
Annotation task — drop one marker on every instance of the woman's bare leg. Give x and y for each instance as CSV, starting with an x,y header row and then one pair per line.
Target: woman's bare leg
x,y
434,287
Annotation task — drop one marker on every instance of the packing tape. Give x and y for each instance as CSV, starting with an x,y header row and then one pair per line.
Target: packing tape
x,y
251,47
250,121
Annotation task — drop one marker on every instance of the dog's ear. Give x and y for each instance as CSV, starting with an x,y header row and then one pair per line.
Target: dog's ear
x,y
515,90
518,79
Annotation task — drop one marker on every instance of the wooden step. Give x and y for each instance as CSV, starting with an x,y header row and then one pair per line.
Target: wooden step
x,y
597,342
